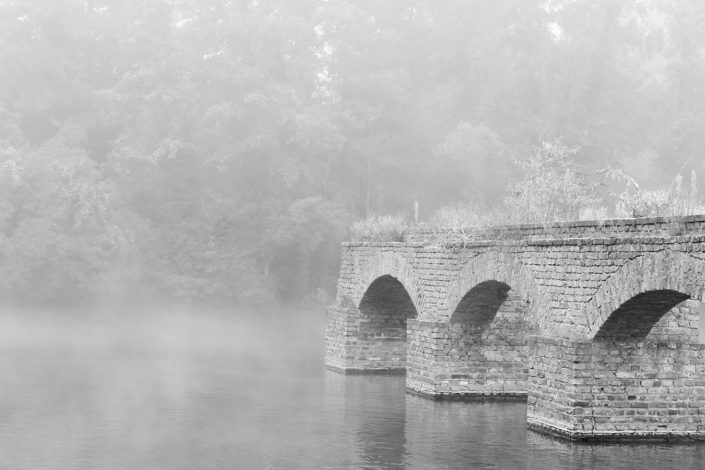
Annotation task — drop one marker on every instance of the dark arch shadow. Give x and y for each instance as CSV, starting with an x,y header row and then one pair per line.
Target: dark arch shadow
x,y
386,297
662,271
485,345
636,317
480,304
639,363
382,331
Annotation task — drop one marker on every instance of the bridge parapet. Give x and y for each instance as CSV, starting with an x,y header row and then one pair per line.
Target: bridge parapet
x,y
586,229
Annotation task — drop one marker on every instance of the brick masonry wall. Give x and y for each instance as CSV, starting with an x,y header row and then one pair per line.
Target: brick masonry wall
x,y
566,281
649,387
463,360
623,228
336,336
584,391
573,285
622,387
552,384
357,344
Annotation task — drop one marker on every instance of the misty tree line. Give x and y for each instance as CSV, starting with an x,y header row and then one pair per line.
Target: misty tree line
x,y
219,150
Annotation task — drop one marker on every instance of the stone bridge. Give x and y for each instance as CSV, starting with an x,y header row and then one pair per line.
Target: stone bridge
x,y
595,324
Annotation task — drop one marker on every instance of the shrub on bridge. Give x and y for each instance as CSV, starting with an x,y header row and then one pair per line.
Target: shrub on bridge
x,y
636,201
457,223
552,189
384,228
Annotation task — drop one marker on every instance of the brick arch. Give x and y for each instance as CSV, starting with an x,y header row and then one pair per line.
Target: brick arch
x,y
481,303
387,297
662,278
389,264
497,267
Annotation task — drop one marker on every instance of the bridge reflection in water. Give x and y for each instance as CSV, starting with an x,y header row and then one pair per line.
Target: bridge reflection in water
x,y
199,390
382,428
594,324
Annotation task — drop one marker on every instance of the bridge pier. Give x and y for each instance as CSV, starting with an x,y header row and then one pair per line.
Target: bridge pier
x,y
559,387
617,389
370,338
455,361
356,344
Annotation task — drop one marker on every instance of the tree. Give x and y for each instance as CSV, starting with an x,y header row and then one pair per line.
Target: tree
x,y
552,188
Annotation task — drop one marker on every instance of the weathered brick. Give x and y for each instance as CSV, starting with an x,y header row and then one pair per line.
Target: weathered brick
x,y
577,315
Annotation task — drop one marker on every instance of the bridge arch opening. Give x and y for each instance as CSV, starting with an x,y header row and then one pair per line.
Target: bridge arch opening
x,y
637,316
485,345
480,305
640,362
654,314
385,308
386,297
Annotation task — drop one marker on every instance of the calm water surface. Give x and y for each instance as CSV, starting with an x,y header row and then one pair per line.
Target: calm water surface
x,y
209,391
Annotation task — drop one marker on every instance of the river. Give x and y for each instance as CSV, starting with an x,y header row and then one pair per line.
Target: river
x,y
204,390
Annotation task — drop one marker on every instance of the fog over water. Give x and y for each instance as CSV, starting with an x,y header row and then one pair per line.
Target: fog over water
x,y
211,390
191,152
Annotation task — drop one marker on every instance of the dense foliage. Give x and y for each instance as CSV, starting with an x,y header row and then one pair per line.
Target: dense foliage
x,y
219,150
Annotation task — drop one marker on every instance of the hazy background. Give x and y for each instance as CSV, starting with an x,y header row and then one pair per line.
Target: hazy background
x,y
217,151
176,177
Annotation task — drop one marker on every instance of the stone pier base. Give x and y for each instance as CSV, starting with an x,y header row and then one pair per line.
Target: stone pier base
x,y
625,389
357,345
450,361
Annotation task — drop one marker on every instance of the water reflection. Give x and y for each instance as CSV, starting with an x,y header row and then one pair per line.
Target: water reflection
x,y
212,392
479,435
560,454
374,413
381,433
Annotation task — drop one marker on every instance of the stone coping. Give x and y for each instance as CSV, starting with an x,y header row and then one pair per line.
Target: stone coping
x,y
672,229
573,241
597,223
